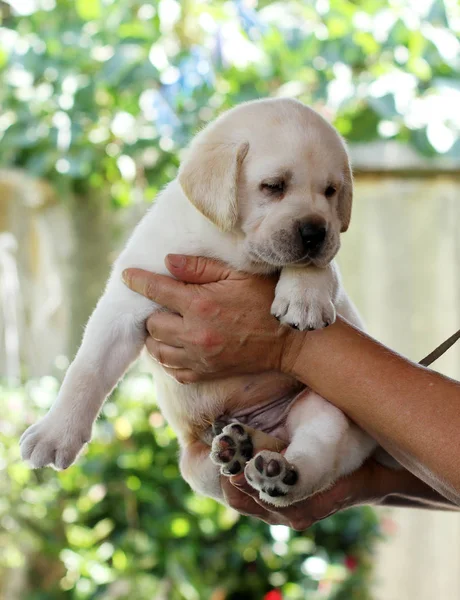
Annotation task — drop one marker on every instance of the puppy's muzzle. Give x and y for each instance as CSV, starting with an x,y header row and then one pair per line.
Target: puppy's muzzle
x,y
312,234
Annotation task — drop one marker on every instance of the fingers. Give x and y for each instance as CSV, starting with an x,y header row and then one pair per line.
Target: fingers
x,y
197,269
241,483
243,486
183,375
243,503
299,516
186,376
168,356
160,288
166,327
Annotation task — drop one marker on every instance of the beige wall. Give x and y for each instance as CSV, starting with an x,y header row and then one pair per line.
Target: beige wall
x,y
36,249
401,265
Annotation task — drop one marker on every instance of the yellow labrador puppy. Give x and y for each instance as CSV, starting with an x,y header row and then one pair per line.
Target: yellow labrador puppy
x,y
266,188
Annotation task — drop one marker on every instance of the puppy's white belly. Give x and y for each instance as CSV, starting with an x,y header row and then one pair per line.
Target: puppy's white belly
x,y
269,416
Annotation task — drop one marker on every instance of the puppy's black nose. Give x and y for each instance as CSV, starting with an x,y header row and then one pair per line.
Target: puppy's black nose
x,y
312,234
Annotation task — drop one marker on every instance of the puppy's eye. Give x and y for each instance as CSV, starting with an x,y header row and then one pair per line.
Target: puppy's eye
x,y
274,188
330,191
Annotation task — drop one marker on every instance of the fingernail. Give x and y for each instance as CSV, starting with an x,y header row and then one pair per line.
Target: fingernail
x,y
124,276
176,260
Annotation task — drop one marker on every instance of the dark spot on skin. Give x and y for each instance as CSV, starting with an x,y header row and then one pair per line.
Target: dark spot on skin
x,y
234,468
291,477
259,464
273,468
275,492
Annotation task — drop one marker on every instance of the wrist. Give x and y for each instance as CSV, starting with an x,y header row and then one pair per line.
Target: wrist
x,y
291,351
392,484
371,484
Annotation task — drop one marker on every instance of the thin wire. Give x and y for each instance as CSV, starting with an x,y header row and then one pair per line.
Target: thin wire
x,y
440,350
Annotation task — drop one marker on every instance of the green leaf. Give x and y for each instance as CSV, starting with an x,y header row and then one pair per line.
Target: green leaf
x,y
3,57
89,9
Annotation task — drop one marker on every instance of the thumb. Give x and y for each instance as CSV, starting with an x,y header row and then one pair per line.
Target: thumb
x,y
198,269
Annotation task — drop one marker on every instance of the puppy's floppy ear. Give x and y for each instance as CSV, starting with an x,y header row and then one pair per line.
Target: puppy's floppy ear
x,y
209,178
345,199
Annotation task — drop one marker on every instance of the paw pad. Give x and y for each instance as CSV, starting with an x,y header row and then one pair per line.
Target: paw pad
x,y
272,476
273,468
231,449
291,477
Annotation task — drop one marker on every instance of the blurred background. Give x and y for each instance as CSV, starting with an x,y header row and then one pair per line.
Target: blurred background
x,y
98,97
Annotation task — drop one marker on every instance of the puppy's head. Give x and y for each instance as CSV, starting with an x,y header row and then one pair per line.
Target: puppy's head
x,y
277,172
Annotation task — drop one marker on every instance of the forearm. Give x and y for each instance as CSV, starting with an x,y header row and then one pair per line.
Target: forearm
x,y
402,502
402,489
411,411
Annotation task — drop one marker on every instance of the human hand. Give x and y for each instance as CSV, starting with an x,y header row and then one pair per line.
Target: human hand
x,y
220,322
370,484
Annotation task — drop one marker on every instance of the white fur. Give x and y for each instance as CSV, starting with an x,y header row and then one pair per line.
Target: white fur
x,y
308,303
323,447
247,230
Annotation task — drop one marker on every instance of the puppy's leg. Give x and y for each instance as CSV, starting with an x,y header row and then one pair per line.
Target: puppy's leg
x,y
202,466
113,339
324,446
199,471
305,296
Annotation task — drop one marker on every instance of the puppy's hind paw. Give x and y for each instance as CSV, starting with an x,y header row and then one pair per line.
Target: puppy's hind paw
x,y
273,477
231,449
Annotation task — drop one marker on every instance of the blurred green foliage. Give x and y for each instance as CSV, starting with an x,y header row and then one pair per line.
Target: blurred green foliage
x,y
121,523
103,93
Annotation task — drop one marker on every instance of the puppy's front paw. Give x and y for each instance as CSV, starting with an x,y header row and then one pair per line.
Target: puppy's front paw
x,y
231,449
53,441
303,311
273,477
